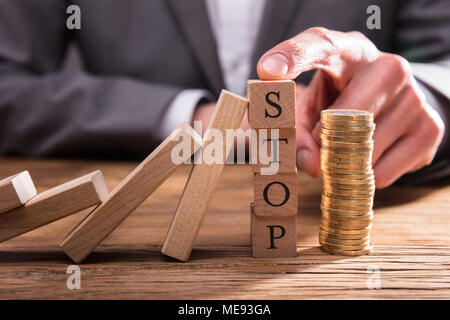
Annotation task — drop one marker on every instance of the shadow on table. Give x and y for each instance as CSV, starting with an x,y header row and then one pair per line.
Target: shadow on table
x,y
399,195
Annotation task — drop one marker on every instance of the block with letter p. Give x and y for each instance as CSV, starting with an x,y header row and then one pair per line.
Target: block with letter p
x,y
274,236
272,104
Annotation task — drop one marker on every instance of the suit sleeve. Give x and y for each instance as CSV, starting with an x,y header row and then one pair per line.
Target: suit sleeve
x,y
422,36
45,111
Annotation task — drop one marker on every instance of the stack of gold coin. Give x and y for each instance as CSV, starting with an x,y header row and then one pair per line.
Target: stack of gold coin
x,y
348,181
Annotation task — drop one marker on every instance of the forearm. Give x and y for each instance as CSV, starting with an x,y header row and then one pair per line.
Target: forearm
x,y
79,114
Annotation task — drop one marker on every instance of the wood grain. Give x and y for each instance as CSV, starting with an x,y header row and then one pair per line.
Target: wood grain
x,y
276,195
128,195
15,191
54,204
410,233
202,181
262,114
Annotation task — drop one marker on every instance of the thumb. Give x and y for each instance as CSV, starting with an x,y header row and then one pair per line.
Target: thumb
x,y
315,48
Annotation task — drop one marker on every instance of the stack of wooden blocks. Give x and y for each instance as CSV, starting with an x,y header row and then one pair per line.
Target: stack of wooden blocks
x,y
272,109
272,106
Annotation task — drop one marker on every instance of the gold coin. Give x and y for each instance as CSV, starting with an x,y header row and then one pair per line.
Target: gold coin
x,y
343,133
340,242
330,250
348,196
348,189
346,205
330,166
352,175
345,114
349,176
366,154
364,202
352,152
343,123
361,231
345,218
338,236
331,171
326,160
335,180
333,157
345,172
353,163
356,235
350,225
346,247
349,139
345,212
347,145
334,189
369,128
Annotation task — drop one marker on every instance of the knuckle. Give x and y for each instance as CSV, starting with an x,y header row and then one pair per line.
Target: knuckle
x,y
397,66
325,34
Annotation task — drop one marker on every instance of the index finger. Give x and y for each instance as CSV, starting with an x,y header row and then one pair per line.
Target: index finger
x,y
316,48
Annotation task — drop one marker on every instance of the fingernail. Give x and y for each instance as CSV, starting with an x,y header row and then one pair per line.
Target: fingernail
x,y
276,64
305,161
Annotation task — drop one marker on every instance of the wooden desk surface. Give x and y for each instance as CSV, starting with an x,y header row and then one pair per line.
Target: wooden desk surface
x,y
411,237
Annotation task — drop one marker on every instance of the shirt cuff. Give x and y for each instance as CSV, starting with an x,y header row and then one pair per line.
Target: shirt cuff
x,y
182,109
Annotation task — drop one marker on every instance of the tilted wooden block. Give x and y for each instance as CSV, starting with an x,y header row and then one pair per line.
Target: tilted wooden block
x,y
202,181
271,104
16,191
276,195
129,194
273,237
54,204
283,159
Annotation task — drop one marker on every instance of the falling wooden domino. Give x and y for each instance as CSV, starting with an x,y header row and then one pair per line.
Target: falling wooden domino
x,y
129,194
202,181
15,191
54,204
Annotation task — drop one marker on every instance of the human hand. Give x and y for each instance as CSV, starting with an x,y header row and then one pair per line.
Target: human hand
x,y
354,74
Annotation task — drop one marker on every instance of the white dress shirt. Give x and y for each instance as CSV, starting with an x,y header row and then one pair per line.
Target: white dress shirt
x,y
235,25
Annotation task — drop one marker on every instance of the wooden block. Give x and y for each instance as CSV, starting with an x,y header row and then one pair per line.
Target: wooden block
x,y
16,191
276,195
272,104
283,159
129,194
202,181
273,237
54,204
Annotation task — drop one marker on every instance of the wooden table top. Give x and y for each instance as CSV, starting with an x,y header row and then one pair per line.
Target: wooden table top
x,y
411,236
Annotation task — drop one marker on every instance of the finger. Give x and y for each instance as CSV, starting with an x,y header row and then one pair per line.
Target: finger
x,y
395,121
316,48
412,151
309,104
374,88
400,158
308,152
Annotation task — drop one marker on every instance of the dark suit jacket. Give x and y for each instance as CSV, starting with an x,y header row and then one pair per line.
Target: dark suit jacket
x,y
138,54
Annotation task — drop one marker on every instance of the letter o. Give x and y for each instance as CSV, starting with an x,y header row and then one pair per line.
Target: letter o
x,y
286,192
